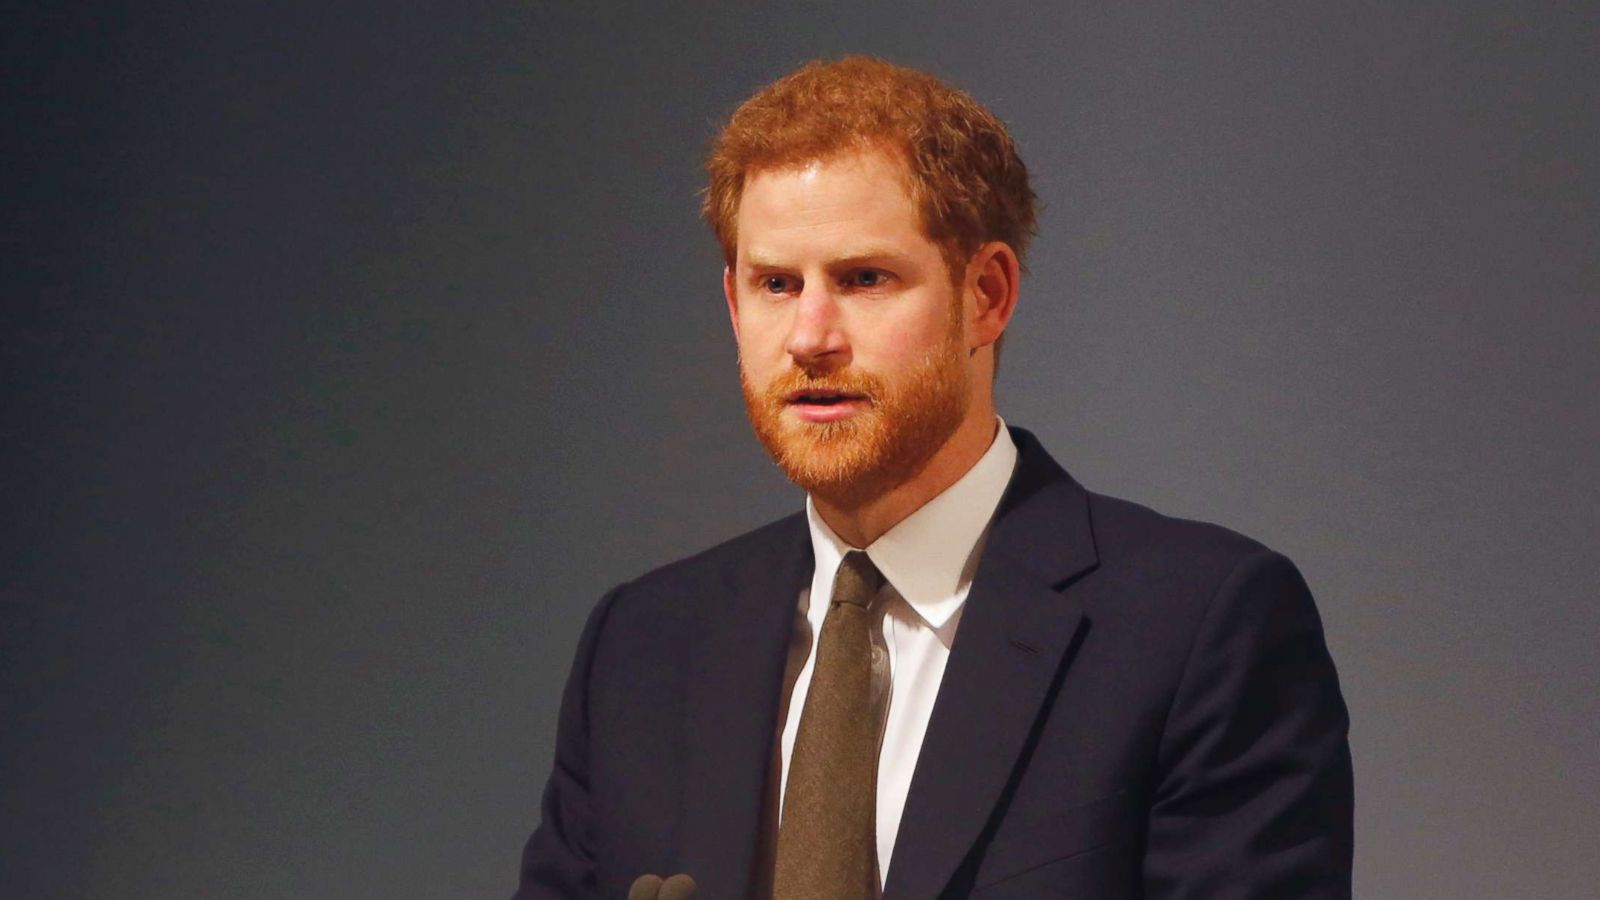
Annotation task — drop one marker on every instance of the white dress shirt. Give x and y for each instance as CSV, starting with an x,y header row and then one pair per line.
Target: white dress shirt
x,y
928,561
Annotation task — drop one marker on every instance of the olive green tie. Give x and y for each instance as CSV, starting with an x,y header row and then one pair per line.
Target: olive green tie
x,y
827,840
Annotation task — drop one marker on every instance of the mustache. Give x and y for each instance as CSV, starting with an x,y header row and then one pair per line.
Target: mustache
x,y
842,382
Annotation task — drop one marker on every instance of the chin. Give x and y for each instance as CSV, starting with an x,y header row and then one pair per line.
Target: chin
x,y
824,456
858,460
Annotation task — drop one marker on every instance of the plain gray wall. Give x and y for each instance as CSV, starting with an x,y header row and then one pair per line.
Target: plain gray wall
x,y
351,351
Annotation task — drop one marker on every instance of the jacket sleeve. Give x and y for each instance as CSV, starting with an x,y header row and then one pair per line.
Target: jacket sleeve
x,y
1255,795
558,862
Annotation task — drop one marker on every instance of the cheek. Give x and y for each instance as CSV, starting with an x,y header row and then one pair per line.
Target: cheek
x,y
760,342
910,339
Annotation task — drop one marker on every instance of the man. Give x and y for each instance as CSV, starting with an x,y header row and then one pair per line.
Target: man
x,y
1019,688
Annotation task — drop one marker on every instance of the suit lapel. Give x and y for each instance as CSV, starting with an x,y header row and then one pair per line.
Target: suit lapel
x,y
1017,632
736,674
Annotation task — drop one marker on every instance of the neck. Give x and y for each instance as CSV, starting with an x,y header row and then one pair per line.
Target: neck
x,y
861,523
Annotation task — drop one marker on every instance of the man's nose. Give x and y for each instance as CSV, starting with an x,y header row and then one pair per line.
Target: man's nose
x,y
816,336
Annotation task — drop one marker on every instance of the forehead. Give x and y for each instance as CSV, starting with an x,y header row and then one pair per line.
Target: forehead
x,y
852,198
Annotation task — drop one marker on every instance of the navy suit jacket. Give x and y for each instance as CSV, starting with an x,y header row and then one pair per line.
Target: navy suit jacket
x,y
1135,706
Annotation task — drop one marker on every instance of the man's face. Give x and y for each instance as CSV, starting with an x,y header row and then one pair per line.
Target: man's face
x,y
852,342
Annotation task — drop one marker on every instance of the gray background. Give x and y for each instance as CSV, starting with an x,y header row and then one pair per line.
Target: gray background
x,y
351,351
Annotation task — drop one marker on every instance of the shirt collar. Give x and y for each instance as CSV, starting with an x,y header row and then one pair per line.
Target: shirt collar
x,y
927,555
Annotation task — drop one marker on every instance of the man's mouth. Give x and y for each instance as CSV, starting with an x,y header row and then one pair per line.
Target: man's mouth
x,y
822,397
820,405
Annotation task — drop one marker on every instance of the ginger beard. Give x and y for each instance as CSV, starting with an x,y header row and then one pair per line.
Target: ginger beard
x,y
908,418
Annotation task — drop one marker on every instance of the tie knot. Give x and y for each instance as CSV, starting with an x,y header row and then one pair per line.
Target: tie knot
x,y
857,581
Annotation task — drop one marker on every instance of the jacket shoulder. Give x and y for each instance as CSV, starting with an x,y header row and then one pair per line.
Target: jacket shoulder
x,y
1116,535
760,548
1167,568
1131,531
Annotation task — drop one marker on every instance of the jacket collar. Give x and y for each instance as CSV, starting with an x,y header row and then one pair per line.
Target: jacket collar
x,y
1018,632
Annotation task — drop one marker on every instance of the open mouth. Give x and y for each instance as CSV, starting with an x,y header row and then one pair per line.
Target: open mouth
x,y
820,406
823,398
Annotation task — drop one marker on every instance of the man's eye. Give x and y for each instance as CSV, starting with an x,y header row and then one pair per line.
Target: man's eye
x,y
868,278
777,284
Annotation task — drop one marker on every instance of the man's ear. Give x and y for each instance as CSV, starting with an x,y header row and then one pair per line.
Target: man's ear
x,y
733,302
994,275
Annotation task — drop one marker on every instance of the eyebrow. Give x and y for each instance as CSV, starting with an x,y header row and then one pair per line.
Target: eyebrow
x,y
852,258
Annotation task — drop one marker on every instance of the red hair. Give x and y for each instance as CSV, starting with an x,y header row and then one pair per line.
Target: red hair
x,y
962,168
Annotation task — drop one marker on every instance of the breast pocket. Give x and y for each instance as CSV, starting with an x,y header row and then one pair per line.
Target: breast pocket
x,y
1099,825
